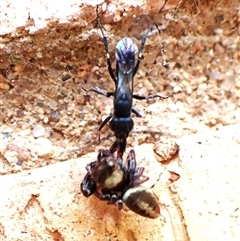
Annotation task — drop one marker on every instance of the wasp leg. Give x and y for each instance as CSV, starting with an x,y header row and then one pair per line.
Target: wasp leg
x,y
114,147
140,54
105,42
163,6
119,145
103,124
98,91
134,111
138,97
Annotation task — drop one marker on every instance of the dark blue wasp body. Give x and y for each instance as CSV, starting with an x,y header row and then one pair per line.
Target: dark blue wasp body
x,y
108,177
121,122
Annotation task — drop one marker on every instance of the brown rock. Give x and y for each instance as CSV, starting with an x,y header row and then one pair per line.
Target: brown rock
x,y
36,204
202,205
207,194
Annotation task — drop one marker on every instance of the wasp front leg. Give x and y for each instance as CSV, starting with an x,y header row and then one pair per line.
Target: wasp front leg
x,y
138,97
98,91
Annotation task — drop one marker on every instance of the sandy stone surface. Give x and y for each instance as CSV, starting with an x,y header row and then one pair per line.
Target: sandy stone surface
x,y
45,204
35,15
207,194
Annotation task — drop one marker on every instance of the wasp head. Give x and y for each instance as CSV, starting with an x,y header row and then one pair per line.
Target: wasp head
x,y
125,53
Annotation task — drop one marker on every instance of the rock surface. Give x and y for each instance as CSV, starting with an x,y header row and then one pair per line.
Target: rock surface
x,y
36,15
208,192
45,204
49,51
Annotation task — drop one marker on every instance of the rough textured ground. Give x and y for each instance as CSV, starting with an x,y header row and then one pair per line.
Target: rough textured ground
x,y
47,118
45,203
206,194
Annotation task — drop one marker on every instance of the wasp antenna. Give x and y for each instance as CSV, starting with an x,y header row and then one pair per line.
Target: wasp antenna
x,y
144,38
100,26
178,5
195,2
105,43
163,6
85,89
165,63
140,53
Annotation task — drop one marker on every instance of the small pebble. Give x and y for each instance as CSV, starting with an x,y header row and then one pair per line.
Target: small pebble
x,y
39,55
40,111
227,42
18,68
20,113
5,135
43,146
54,115
25,132
38,131
65,122
177,89
218,31
6,129
45,120
19,162
11,157
4,86
215,75
238,84
107,27
219,49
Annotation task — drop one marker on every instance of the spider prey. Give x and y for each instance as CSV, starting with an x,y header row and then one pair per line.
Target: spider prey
x,y
110,180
